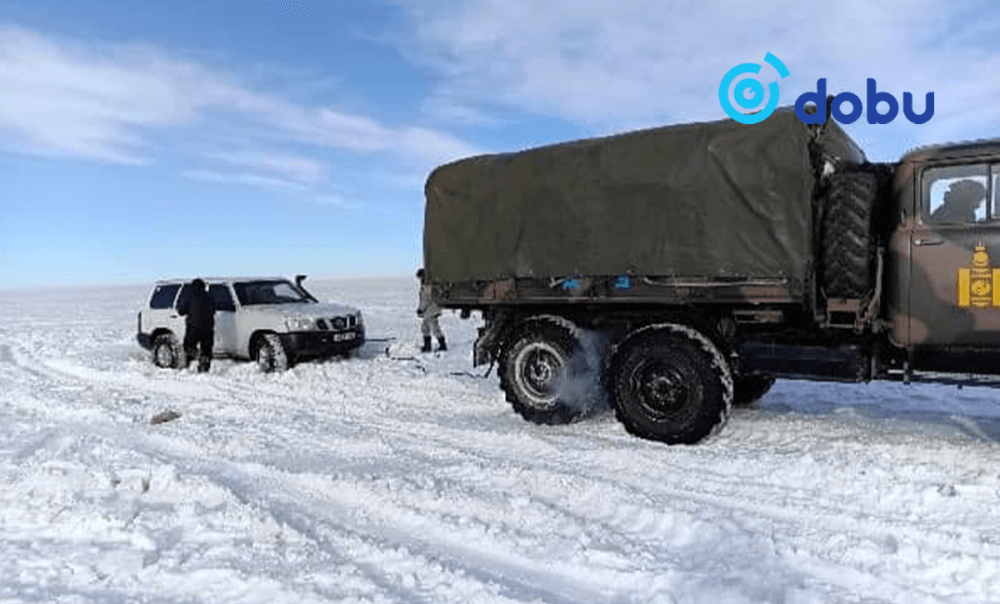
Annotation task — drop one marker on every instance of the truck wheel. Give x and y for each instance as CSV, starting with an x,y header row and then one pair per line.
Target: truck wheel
x,y
168,353
270,353
751,387
537,365
672,385
846,255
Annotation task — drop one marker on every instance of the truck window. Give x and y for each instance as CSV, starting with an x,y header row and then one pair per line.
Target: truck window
x,y
163,296
222,298
958,194
994,194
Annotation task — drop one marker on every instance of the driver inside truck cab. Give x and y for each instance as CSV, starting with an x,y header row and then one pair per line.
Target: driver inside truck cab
x,y
961,201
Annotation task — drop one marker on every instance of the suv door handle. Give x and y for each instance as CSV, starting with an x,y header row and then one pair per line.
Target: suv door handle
x,y
928,242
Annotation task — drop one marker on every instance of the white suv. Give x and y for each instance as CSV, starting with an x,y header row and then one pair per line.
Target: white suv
x,y
270,320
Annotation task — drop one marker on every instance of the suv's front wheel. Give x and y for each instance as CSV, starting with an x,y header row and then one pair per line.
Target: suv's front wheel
x,y
270,353
167,352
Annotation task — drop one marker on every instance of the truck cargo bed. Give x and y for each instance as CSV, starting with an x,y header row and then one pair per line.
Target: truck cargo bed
x,y
710,207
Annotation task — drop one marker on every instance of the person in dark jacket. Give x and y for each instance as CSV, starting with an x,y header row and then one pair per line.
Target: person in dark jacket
x,y
199,337
429,311
961,202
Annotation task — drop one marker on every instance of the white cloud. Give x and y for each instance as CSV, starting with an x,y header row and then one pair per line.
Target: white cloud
x,y
451,110
638,62
292,183
246,178
430,147
111,102
305,171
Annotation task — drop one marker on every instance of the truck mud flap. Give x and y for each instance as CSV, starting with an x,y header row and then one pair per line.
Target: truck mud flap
x,y
484,350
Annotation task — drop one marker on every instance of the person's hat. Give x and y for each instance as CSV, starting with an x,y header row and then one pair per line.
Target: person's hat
x,y
198,283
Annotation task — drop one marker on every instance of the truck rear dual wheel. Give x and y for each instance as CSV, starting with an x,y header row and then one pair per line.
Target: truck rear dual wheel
x,y
671,385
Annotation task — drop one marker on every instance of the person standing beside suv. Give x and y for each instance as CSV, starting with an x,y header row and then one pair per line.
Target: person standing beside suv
x,y
198,308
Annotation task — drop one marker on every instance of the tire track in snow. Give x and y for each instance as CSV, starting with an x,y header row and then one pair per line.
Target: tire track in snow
x,y
853,520
694,485
858,524
247,488
302,508
530,577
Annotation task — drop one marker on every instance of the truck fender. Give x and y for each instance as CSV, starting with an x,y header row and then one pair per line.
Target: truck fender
x,y
493,338
718,360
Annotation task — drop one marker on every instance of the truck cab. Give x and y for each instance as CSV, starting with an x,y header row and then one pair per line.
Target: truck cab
x,y
943,291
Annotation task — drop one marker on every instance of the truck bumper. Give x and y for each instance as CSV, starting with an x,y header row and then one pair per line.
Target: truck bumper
x,y
322,343
145,340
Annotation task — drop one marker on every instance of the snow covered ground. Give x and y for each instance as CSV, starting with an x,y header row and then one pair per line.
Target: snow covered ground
x,y
387,479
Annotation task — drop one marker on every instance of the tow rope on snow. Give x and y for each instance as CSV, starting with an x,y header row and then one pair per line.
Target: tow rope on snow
x,y
480,377
424,369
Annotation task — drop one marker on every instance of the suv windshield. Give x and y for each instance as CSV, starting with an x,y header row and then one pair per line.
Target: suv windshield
x,y
269,292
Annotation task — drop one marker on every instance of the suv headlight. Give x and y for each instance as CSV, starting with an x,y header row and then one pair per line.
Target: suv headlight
x,y
300,324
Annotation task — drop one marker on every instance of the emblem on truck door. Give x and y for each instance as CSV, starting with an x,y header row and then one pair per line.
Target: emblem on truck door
x,y
979,286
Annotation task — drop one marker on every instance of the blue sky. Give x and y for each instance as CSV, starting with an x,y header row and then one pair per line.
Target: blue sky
x,y
172,139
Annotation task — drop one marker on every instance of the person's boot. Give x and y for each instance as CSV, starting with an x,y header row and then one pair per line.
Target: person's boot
x,y
203,365
441,344
427,344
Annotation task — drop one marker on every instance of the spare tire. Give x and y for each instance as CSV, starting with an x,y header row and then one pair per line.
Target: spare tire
x,y
846,255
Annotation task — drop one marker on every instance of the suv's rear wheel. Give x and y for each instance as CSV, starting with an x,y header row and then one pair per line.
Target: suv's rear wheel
x,y
270,353
168,353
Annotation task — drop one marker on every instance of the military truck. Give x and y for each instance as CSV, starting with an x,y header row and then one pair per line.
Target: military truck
x,y
705,260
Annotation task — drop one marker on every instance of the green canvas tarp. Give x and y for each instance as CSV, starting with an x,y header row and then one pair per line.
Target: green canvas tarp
x,y
717,200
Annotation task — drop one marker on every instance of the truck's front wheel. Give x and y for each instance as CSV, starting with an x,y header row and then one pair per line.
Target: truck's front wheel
x,y
538,366
671,385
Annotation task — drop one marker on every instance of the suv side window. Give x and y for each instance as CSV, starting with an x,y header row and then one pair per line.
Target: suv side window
x,y
956,194
163,296
185,294
222,297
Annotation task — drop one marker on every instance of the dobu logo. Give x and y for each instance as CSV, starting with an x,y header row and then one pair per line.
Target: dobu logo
x,y
874,98
749,92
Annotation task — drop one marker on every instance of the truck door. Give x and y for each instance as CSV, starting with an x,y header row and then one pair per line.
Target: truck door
x,y
225,319
954,247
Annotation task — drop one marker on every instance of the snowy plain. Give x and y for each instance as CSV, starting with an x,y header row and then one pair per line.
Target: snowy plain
x,y
400,477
